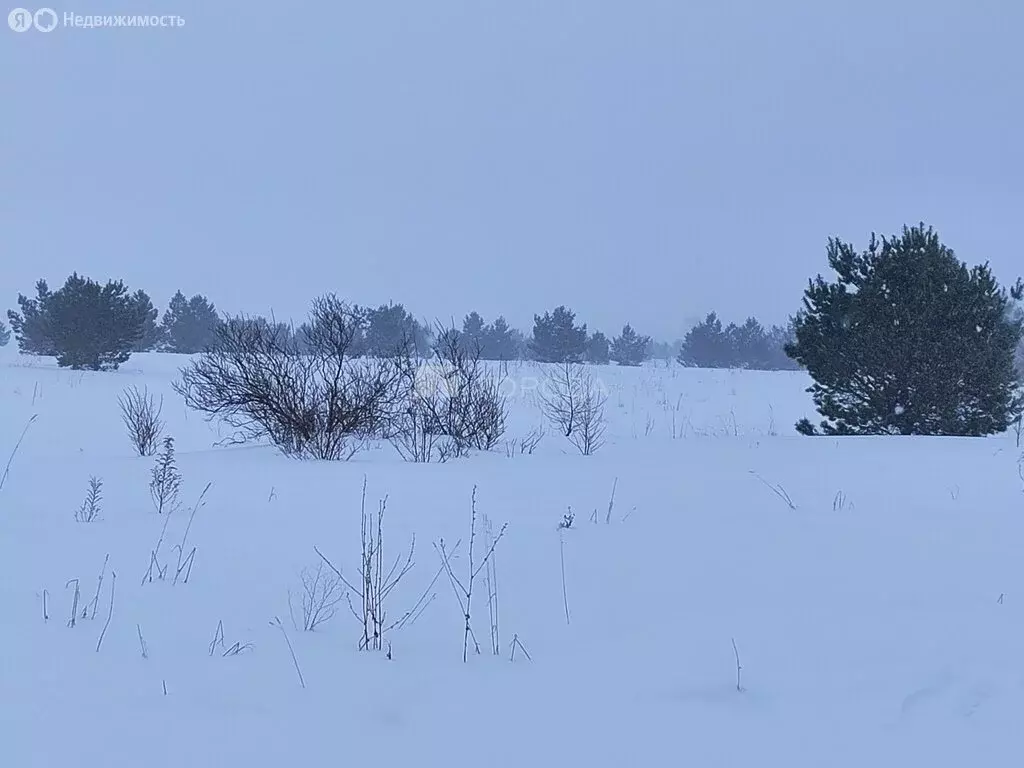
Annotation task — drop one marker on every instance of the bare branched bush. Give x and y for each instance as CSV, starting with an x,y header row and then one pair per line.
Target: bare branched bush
x,y
526,445
376,579
455,404
529,443
141,412
574,403
589,435
90,510
307,396
322,592
463,588
560,394
417,436
165,480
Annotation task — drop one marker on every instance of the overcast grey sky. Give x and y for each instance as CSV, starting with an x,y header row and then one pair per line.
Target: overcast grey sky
x,y
642,160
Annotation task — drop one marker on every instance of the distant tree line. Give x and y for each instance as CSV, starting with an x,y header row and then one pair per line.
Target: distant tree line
x,y
751,345
89,325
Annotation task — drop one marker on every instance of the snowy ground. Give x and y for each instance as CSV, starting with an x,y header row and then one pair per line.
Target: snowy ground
x,y
879,623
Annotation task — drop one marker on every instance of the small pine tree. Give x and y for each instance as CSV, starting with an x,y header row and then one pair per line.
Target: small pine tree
x,y
557,338
908,340
598,349
90,510
629,347
5,335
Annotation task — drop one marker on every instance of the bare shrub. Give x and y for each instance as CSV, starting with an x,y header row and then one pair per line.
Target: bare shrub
x,y
525,445
463,588
455,404
141,412
589,435
560,394
306,395
322,592
376,580
90,510
573,402
416,435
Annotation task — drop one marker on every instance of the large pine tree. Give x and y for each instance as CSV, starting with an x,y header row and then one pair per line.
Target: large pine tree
x,y
86,325
908,340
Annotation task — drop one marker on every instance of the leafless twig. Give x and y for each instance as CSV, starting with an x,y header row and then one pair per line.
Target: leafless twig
x,y
17,445
276,622
110,614
739,667
778,490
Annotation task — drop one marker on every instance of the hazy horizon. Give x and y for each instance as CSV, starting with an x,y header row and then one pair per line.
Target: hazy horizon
x,y
643,162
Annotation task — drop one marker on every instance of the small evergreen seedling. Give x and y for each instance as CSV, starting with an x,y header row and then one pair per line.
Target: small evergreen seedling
x,y
90,509
165,484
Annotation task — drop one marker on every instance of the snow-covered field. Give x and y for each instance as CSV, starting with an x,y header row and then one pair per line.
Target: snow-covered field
x,y
880,622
